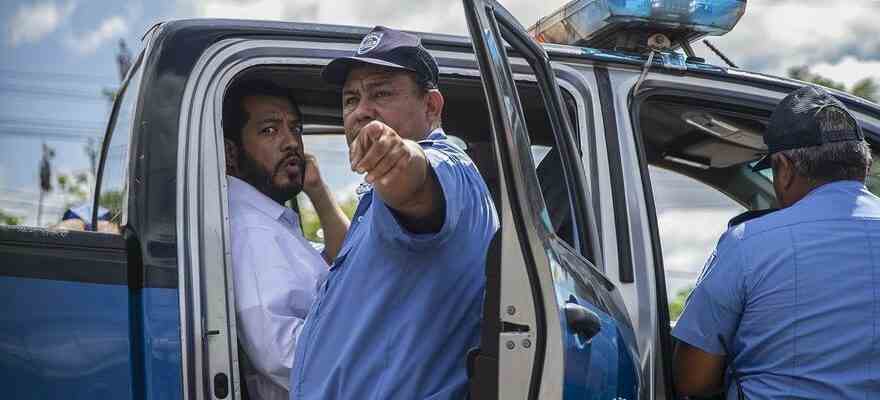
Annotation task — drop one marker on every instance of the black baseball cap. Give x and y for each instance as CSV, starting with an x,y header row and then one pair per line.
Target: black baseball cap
x,y
388,48
807,117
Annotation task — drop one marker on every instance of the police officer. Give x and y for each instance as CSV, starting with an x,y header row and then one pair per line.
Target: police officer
x,y
789,303
401,305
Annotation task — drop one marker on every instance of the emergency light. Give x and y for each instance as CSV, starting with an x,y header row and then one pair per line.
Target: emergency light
x,y
627,24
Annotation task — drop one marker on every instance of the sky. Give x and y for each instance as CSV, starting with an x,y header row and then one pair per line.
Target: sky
x,y
56,57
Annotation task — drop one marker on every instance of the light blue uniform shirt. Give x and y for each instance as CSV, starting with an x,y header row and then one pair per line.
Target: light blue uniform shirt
x,y
793,299
399,311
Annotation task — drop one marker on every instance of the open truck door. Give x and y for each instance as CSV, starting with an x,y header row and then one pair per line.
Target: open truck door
x,y
553,326
88,314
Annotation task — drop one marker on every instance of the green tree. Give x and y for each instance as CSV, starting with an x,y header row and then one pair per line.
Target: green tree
x,y
311,225
9,219
112,201
74,188
866,88
676,305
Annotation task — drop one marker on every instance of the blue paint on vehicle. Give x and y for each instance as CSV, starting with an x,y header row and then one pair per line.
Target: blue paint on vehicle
x,y
74,340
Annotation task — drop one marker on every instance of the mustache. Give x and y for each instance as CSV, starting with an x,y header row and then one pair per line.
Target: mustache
x,y
291,158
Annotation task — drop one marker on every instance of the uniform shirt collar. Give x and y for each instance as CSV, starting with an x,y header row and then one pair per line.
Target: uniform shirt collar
x,y
436,134
847,185
241,192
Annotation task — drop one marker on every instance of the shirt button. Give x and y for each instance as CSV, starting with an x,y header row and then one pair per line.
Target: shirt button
x,y
361,218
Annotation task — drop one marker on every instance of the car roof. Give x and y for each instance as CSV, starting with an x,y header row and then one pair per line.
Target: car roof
x,y
200,33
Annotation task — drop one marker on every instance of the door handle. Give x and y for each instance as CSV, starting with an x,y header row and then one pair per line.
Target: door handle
x,y
582,321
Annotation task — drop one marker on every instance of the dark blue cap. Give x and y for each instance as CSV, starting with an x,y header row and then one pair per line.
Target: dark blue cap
x,y
388,48
807,117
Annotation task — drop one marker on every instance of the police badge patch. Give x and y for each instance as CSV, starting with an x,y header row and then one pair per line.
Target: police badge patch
x,y
370,42
362,189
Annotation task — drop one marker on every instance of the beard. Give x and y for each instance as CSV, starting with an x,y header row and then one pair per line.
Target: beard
x,y
263,180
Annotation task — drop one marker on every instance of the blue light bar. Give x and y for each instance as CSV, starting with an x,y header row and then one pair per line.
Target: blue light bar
x,y
612,23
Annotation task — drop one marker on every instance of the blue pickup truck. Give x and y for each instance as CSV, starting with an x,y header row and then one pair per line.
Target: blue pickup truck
x,y
563,121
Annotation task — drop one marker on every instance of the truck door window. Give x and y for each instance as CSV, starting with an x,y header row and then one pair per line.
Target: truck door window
x,y
874,175
680,201
332,154
114,171
555,188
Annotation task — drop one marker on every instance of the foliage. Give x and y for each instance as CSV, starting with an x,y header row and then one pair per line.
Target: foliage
x,y
76,186
873,181
866,88
309,218
9,219
676,305
112,200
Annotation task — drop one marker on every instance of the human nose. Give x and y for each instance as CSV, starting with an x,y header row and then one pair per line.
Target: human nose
x,y
290,141
364,111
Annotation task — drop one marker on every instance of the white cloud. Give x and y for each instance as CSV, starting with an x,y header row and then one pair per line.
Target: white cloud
x,y
242,9
776,35
32,22
773,36
849,70
441,17
88,42
688,235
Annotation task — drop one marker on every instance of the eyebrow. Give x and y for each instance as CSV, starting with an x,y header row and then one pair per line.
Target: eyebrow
x,y
370,85
272,118
377,83
277,120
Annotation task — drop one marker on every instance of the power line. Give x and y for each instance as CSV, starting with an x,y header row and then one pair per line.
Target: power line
x,y
52,122
76,137
52,128
42,75
38,129
88,131
48,92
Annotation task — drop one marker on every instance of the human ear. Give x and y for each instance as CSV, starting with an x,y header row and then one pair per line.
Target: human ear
x,y
435,104
784,172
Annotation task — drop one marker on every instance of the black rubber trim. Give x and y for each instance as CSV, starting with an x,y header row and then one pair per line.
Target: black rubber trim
x,y
73,256
484,361
663,329
618,195
76,256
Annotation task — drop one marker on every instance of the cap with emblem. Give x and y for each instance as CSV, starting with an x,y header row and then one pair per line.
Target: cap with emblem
x,y
388,48
807,117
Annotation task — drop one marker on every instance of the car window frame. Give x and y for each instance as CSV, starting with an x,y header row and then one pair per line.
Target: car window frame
x,y
135,72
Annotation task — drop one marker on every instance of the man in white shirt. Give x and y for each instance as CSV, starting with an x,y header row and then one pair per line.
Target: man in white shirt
x,y
275,269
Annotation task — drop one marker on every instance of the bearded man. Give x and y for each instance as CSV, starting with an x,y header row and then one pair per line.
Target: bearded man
x,y
275,269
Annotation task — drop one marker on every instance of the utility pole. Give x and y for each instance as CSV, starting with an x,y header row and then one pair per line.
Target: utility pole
x,y
45,179
123,59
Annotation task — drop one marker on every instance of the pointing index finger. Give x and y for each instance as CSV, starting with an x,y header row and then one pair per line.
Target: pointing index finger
x,y
363,142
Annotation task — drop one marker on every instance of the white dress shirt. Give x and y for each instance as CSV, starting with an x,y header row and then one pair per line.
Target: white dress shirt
x,y
275,272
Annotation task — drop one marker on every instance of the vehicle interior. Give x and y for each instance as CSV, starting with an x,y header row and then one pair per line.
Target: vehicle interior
x,y
708,141
712,144
705,149
465,120
465,117
708,145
